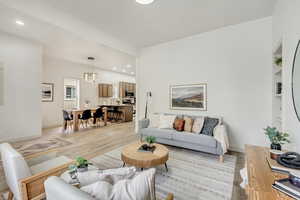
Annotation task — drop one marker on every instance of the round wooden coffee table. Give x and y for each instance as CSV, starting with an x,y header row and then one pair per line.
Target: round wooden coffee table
x,y
131,156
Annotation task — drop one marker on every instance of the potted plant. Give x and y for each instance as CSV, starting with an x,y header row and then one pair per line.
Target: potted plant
x,y
278,61
276,137
82,164
150,140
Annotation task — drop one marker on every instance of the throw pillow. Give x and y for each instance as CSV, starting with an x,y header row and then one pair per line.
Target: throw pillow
x,y
154,120
141,187
179,124
166,121
112,176
94,175
100,190
198,125
209,126
188,125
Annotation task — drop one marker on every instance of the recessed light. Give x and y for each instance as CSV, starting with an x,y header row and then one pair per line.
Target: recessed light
x,y
20,23
144,2
128,66
115,68
132,73
124,70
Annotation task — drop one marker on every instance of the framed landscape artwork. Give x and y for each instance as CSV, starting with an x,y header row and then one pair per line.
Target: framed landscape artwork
x,y
47,92
188,97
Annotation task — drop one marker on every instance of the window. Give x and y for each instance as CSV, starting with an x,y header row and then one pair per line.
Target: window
x,y
70,93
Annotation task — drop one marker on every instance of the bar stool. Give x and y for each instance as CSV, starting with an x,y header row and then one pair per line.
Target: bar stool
x,y
98,115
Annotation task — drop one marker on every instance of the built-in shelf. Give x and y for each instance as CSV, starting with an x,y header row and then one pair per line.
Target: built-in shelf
x,y
277,90
278,71
278,50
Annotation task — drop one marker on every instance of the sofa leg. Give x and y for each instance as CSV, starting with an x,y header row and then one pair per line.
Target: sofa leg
x,y
221,158
141,138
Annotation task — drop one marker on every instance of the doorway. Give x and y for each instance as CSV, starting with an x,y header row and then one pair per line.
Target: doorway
x,y
71,94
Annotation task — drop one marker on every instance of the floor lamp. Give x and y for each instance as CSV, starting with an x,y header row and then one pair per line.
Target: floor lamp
x,y
148,96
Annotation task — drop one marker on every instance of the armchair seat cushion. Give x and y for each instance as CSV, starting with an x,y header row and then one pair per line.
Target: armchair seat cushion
x,y
200,139
49,164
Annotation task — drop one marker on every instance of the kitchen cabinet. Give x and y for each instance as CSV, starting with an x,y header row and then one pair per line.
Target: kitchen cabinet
x,y
105,90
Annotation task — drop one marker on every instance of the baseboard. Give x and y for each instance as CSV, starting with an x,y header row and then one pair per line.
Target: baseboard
x,y
52,126
237,149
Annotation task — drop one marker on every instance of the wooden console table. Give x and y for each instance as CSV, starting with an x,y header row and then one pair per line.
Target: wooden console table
x,y
260,175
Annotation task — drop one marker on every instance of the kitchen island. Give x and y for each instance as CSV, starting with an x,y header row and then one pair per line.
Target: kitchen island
x,y
125,111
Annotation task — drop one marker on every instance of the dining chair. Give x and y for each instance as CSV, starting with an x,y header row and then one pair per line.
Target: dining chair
x,y
85,117
68,119
98,115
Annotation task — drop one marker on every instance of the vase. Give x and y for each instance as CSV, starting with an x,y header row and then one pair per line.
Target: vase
x,y
276,146
82,169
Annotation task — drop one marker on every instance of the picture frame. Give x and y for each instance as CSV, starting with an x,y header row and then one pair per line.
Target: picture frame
x,y
47,92
188,97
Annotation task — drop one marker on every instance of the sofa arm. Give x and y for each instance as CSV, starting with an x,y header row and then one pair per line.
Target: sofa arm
x,y
57,189
220,134
144,123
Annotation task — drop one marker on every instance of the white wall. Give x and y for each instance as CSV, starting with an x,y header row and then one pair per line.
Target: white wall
x,y
236,64
286,28
55,71
20,116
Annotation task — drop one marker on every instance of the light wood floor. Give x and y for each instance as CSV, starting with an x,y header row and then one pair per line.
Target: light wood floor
x,y
95,141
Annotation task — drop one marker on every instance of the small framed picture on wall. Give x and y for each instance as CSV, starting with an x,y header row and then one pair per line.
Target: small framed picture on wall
x,y
47,92
188,97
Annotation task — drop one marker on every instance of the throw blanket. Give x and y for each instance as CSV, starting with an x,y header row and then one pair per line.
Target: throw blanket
x,y
220,134
114,185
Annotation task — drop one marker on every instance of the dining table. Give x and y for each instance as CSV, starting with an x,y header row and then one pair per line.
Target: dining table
x,y
77,112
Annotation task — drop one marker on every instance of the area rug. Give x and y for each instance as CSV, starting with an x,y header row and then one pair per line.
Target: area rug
x,y
192,175
38,145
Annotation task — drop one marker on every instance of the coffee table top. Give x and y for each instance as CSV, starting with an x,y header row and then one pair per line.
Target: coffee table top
x,y
131,156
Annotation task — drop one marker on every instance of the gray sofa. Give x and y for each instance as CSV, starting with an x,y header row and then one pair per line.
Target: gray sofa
x,y
198,142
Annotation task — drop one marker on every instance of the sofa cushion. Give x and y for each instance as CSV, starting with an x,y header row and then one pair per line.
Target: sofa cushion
x,y
159,133
154,120
198,125
188,125
166,121
209,126
199,139
179,124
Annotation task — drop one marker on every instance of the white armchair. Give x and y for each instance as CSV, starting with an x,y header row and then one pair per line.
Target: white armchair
x,y
58,189
26,182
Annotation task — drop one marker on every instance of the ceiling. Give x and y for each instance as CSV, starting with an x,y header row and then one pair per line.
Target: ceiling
x,y
114,30
62,44
161,21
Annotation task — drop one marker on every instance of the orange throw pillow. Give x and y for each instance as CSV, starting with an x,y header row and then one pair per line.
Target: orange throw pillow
x,y
179,124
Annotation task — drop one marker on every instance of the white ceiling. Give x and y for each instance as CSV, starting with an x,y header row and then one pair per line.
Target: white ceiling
x,y
164,20
63,44
74,30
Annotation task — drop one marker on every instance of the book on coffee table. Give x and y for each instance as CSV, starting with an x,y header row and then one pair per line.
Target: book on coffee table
x,y
285,186
275,167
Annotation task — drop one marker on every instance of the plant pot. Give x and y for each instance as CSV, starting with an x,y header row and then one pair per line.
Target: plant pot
x,y
82,169
150,145
276,146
